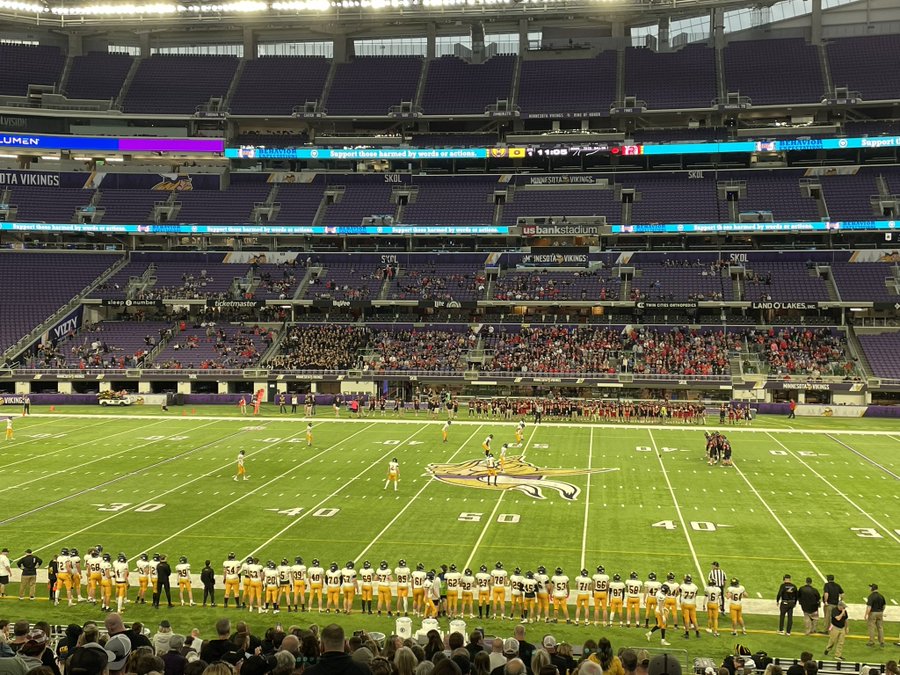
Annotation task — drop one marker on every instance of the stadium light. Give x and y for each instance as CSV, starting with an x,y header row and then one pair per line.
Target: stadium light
x,y
241,7
30,7
111,10
301,5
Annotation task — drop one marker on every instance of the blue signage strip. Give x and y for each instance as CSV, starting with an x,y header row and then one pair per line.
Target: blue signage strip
x,y
271,230
807,226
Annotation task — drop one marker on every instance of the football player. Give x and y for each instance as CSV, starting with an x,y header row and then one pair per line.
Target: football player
x,y
713,601
92,565
543,594
616,600
467,584
316,583
333,588
515,593
529,595
106,580
520,432
154,576
248,582
367,583
498,591
393,475
651,588
9,429
255,572
672,598
383,577
284,583
272,586
403,576
231,573
428,586
120,574
560,584
486,446
502,458
483,582
64,575
183,573
143,571
309,435
735,595
601,596
633,600
453,579
298,578
348,586
583,587
241,471
445,431
418,589
491,465
661,614
689,606
75,561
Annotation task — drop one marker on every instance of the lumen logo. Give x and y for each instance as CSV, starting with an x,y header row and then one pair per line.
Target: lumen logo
x,y
19,141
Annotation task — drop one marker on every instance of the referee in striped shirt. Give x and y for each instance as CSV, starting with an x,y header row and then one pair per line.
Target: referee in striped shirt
x,y
717,578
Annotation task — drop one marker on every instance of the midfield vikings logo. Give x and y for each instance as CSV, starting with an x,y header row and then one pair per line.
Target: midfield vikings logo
x,y
517,474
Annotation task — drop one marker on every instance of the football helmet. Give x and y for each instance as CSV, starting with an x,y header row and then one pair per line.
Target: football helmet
x,y
559,570
284,561
367,565
601,569
468,572
402,563
517,570
333,567
688,578
107,557
483,568
430,575
664,589
156,558
99,548
498,565
633,575
542,569
350,565
384,564
670,576
315,562
652,576
453,567
298,560
529,574
735,582
231,556
64,551
271,564
121,557
182,559
143,556
73,551
617,577
584,572
420,566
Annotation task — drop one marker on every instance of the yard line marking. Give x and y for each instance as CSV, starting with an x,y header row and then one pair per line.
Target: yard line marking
x,y
415,497
255,490
778,520
93,441
837,490
587,499
859,454
380,460
687,534
98,459
487,523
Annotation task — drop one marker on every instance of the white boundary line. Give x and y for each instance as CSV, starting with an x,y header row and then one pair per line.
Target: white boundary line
x,y
92,441
866,457
476,422
254,490
587,499
488,522
778,520
312,509
414,498
837,490
687,534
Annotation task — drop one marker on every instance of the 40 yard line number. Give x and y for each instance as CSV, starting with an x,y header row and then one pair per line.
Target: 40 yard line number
x,y
696,525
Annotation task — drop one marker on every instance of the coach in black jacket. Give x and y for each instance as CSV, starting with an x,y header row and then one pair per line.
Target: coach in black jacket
x,y
787,600
163,572
810,601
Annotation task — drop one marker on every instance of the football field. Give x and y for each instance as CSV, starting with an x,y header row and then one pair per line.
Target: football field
x,y
819,498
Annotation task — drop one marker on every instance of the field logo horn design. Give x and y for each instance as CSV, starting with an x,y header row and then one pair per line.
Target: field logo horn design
x,y
517,474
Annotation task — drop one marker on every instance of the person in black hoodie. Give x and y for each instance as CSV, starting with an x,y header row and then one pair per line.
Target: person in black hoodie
x,y
810,601
786,600
208,578
163,572
334,659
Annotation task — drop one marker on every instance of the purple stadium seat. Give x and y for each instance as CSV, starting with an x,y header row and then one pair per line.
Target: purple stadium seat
x,y
680,79
565,86
275,85
371,85
455,87
98,75
867,65
774,71
167,84
27,64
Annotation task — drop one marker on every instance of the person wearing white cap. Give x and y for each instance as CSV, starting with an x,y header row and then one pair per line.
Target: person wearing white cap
x,y
838,630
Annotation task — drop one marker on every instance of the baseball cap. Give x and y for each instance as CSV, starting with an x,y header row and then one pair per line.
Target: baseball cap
x,y
258,665
510,646
89,659
874,587
664,664
120,646
549,642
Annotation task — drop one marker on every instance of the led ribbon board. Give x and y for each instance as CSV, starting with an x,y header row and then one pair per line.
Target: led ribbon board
x,y
112,144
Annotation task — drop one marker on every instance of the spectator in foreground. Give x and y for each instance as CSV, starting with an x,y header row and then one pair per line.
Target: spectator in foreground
x,y
334,659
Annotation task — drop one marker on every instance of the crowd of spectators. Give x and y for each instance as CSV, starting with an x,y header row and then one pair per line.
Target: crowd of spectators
x,y
215,347
535,286
681,351
431,284
112,648
417,349
554,349
801,351
320,347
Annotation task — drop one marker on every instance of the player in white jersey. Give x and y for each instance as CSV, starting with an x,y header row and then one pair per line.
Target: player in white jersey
x,y
498,591
142,567
64,575
543,594
106,581
515,594
502,459
651,588
483,584
418,577
120,574
92,566
662,613
298,579
75,560
491,464
520,432
445,431
272,587
254,572
154,576
735,595
584,585
633,600
333,588
284,583
366,586
403,575
560,584
529,596
393,475
616,600
316,582
601,595
486,446
247,582
467,591
231,573
183,574
428,587
453,579
672,598
349,586
713,605
689,606
383,579
5,571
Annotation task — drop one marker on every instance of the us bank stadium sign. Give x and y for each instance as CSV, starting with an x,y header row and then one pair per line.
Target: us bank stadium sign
x,y
561,230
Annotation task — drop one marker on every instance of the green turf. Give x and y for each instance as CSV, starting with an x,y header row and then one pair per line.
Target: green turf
x,y
789,505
